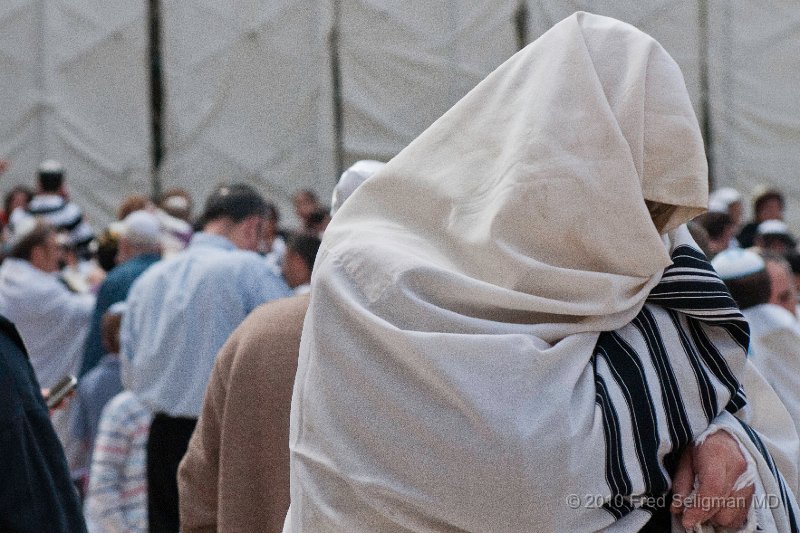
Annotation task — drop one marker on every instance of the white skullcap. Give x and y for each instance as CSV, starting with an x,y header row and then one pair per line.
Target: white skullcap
x,y
141,226
717,206
724,196
736,263
351,179
22,229
51,166
773,227
176,201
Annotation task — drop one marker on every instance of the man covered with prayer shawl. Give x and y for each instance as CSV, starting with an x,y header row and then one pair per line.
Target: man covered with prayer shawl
x,y
503,333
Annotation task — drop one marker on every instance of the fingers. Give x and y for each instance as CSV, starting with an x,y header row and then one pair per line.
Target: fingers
x,y
705,503
682,481
718,463
734,513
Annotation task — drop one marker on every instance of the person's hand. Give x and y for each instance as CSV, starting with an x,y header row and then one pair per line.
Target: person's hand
x,y
61,405
4,164
717,462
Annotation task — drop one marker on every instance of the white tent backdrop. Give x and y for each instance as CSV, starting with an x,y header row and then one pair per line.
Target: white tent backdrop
x,y
250,92
754,75
75,88
248,97
403,64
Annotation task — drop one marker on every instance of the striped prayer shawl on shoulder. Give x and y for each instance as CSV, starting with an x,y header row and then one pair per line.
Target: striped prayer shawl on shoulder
x,y
665,377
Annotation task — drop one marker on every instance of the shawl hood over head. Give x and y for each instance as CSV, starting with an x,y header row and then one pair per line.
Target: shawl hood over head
x,y
526,200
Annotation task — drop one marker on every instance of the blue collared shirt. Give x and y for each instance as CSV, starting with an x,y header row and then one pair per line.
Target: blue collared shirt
x,y
180,313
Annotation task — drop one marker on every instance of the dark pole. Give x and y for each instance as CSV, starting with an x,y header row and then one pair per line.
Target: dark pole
x,y
521,22
156,95
705,104
336,81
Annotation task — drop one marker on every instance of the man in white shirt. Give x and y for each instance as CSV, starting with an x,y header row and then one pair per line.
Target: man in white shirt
x,y
774,331
52,320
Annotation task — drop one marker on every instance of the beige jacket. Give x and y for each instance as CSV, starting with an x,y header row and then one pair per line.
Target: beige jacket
x,y
235,474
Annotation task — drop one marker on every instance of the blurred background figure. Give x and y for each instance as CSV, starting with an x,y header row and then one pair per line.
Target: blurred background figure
x,y
351,179
17,198
729,201
96,388
180,312
755,283
301,252
177,203
116,499
174,212
51,319
720,230
306,203
273,239
783,291
52,203
768,204
36,492
138,247
774,236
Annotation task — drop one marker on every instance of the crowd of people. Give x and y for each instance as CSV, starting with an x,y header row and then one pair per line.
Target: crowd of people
x,y
182,284
534,317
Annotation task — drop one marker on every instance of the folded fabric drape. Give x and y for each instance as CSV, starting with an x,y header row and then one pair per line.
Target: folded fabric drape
x,y
478,354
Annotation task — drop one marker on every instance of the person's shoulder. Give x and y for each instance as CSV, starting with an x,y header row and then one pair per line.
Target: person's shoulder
x,y
283,315
767,318
125,405
9,331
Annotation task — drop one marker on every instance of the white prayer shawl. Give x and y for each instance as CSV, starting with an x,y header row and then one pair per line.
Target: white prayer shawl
x,y
452,373
775,351
766,413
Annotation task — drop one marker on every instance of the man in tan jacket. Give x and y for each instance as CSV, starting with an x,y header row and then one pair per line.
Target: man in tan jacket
x,y
235,474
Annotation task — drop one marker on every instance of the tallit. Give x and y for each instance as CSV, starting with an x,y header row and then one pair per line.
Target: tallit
x,y
449,378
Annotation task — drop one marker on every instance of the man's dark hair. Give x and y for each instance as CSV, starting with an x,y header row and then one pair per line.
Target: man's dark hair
x,y
715,223
51,181
764,196
17,189
236,202
23,249
793,257
751,290
306,246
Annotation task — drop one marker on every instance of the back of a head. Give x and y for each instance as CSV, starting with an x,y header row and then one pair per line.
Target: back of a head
x,y
178,203
306,246
30,233
715,223
141,229
745,274
51,176
235,202
351,179
764,194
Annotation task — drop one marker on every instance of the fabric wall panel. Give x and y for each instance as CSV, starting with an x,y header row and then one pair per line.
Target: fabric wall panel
x,y
81,96
754,77
673,23
248,98
20,89
404,64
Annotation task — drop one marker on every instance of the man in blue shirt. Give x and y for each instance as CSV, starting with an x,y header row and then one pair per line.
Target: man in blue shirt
x,y
180,313
139,248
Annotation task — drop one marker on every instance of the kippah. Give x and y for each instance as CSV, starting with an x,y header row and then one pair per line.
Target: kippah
x,y
737,263
773,227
